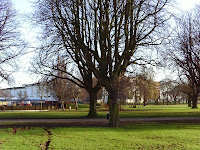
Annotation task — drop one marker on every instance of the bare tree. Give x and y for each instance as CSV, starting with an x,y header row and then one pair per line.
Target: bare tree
x,y
11,44
185,51
64,91
166,87
187,90
6,94
145,83
125,89
102,36
41,91
22,96
175,93
53,62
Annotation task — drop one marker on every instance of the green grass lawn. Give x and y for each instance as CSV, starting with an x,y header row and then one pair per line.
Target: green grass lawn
x,y
138,137
160,111
23,139
127,112
42,115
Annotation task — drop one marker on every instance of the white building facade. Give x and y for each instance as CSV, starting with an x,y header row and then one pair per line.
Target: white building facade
x,y
27,94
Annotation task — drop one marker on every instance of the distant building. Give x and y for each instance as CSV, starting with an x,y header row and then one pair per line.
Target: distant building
x,y
104,98
27,94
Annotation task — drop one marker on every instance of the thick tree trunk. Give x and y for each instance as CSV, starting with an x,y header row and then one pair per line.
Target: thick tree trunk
x,y
113,108
93,100
194,101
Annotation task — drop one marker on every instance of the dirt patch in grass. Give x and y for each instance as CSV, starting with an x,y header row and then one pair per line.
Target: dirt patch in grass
x,y
47,143
14,130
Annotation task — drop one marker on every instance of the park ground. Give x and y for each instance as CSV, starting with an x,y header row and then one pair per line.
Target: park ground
x,y
138,136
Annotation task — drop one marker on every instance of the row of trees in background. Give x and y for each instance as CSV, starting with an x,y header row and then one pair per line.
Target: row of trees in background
x,y
140,88
174,93
184,53
92,43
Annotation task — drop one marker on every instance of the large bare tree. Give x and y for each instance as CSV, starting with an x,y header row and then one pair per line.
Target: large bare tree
x,y
103,35
47,63
185,52
10,41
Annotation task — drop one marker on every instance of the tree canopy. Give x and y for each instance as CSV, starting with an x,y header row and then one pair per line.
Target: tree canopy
x,y
102,36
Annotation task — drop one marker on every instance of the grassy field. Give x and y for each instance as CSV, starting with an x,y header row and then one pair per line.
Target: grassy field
x,y
136,137
127,112
22,138
160,111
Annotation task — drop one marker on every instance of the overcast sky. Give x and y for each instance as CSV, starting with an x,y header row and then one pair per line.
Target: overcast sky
x,y
24,7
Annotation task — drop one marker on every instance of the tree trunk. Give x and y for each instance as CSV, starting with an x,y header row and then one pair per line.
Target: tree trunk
x,y
135,103
120,105
167,101
113,108
189,102
194,101
144,103
62,105
41,104
175,101
93,100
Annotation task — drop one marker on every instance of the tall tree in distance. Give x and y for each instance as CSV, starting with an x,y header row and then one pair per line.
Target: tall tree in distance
x,y
147,86
166,86
187,90
102,36
186,57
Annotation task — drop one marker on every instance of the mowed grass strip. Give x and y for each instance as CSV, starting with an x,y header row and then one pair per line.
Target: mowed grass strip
x,y
127,112
43,115
159,111
135,137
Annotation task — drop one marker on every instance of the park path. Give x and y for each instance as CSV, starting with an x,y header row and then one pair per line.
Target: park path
x,y
93,122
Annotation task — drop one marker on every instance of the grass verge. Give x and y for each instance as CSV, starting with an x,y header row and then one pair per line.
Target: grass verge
x,y
127,112
136,137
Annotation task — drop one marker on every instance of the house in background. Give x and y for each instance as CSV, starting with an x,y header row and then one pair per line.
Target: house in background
x,y
26,95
